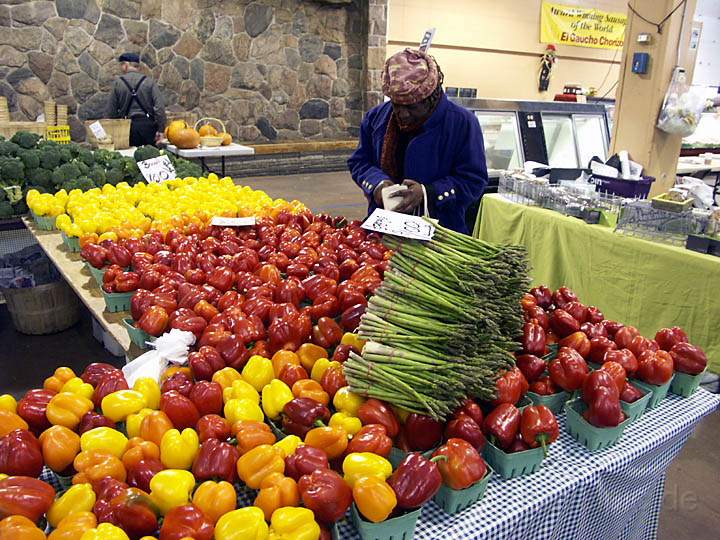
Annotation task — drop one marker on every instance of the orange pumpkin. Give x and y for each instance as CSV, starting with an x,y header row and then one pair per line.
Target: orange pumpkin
x,y
227,138
186,138
173,129
207,130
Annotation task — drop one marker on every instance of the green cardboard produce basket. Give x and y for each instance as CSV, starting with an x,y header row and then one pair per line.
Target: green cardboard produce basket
x,y
554,402
397,455
97,273
71,242
525,401
44,223
453,501
593,438
137,336
115,302
684,384
636,409
658,391
515,464
398,528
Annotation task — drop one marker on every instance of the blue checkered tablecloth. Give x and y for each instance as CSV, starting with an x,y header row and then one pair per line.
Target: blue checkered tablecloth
x,y
614,493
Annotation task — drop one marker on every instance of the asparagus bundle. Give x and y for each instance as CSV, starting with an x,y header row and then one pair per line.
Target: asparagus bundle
x,y
443,324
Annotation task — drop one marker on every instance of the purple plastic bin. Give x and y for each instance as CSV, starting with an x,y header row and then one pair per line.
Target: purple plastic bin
x,y
635,189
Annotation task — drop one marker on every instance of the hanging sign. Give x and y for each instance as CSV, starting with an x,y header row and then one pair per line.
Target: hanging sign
x,y
157,169
426,40
233,221
397,224
581,27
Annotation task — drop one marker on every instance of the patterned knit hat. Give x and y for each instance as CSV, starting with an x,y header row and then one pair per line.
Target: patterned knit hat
x,y
409,77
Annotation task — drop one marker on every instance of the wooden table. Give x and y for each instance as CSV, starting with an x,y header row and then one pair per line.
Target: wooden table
x,y
214,152
72,268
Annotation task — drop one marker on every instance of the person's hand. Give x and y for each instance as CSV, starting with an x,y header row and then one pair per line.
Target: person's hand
x,y
377,192
412,197
159,136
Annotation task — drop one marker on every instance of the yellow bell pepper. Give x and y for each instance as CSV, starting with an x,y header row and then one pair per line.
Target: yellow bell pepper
x,y
66,409
291,523
105,531
119,405
240,389
274,397
134,421
225,376
237,410
172,370
347,401
319,369
360,464
258,372
171,488
150,389
215,499
58,379
352,339
244,524
104,439
77,386
178,450
351,424
8,403
73,526
288,445
79,498
3,476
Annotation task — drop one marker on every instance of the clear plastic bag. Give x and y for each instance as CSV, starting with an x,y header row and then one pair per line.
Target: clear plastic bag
x,y
682,107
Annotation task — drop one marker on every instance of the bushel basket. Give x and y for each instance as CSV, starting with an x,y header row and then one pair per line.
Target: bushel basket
x,y
45,309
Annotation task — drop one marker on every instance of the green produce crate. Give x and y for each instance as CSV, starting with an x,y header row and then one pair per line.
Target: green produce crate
x,y
684,384
524,402
115,302
554,402
658,391
71,242
97,273
515,464
44,223
635,410
457,500
398,528
397,455
593,438
137,336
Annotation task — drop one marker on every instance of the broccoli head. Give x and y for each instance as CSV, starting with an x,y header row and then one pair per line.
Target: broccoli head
x,y
114,176
98,174
6,210
185,168
40,177
49,158
12,170
30,158
146,152
86,157
64,173
85,183
9,149
82,167
25,139
65,153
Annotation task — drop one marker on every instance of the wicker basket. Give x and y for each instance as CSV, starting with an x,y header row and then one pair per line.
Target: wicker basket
x,y
8,129
50,113
210,141
117,128
44,309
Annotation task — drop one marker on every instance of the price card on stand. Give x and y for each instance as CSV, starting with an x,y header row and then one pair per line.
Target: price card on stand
x,y
233,221
158,169
397,224
98,131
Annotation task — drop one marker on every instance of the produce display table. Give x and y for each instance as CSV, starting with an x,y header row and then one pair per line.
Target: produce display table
x,y
646,284
222,152
72,268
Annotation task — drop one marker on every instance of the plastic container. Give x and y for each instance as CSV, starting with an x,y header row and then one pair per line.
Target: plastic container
x,y
636,409
635,189
684,384
515,464
453,501
658,391
593,438
45,309
97,273
399,528
72,243
397,455
44,223
115,302
663,203
554,402
137,336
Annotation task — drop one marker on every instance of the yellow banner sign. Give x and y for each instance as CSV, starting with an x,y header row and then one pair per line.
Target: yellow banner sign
x,y
582,27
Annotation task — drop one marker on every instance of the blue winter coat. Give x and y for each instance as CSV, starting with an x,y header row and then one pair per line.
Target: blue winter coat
x,y
447,156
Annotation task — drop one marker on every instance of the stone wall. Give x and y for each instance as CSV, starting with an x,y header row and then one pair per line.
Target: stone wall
x,y
272,69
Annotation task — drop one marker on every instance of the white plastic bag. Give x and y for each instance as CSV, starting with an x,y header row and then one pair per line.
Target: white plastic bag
x,y
700,191
171,347
682,107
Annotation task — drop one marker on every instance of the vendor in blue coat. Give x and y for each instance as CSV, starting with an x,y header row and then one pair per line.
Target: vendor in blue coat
x,y
422,140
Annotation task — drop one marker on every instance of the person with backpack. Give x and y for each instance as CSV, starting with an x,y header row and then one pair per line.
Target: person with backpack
x,y
136,96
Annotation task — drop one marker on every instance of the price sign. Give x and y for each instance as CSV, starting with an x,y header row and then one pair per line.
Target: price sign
x,y
158,169
397,224
98,131
426,40
233,221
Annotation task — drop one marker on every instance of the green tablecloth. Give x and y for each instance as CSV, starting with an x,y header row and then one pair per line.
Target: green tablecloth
x,y
634,281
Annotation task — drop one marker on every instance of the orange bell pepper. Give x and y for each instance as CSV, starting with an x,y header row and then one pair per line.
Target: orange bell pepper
x,y
60,446
332,440
225,376
138,449
19,528
73,526
353,340
154,426
215,499
251,434
374,498
281,358
9,421
58,379
66,409
307,388
276,491
309,353
94,465
255,465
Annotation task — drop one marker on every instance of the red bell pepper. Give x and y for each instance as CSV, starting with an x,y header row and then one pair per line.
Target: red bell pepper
x,y
139,474
207,397
292,373
462,467
562,323
300,415
305,460
286,334
326,333
371,438
96,372
577,310
222,278
563,296
415,481
318,284
594,315
205,362
502,424
109,384
599,346
540,315
518,445
350,318
533,340
605,409
578,341
422,432
539,427
342,352
24,496
640,344
544,386
112,272
126,282
466,428
688,358
543,296
374,411
179,381
599,379
655,367
233,350
189,322
91,420
617,372
593,330
325,493
21,454
119,255
471,409
568,370
94,254
333,380
216,459
624,336
182,412
186,521
527,301
133,511
611,326
32,407
630,393
667,338
625,358
213,426
205,310
511,386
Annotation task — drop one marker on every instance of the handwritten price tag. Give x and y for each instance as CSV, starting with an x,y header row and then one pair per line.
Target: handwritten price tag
x,y
396,224
157,170
98,131
233,221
